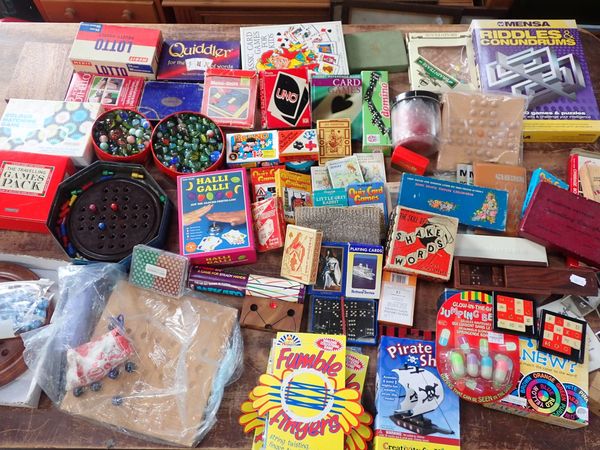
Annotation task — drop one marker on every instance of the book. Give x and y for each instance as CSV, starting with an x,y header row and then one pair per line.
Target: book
x,y
301,254
372,166
317,46
415,408
262,181
330,197
298,145
112,92
368,194
376,110
285,98
338,97
363,272
295,191
344,171
320,178
252,149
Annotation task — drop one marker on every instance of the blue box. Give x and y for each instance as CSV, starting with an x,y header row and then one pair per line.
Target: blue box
x,y
161,99
372,193
331,272
472,205
330,197
538,176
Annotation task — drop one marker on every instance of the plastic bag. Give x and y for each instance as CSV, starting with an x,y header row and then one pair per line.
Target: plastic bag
x,y
23,306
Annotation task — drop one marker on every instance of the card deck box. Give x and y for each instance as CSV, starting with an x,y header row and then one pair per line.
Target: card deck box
x,y
363,274
512,179
344,171
331,273
338,97
543,60
185,60
319,177
252,149
161,99
270,314
563,221
397,299
230,96
269,224
330,197
28,184
421,243
551,389
215,220
471,205
301,254
372,166
285,98
50,127
376,50
298,145
361,194
112,92
376,122
334,139
262,180
116,50
295,191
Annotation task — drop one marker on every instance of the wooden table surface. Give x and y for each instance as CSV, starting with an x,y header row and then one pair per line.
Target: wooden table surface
x,y
47,427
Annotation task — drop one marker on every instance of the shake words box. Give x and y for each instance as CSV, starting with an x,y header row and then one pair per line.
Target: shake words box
x,y
215,220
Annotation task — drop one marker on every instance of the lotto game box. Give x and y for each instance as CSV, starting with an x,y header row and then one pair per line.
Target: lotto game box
x,y
115,50
284,98
112,92
415,408
215,220
182,60
543,60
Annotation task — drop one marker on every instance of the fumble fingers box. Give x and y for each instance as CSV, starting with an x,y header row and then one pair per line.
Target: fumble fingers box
x,y
215,220
115,50
112,92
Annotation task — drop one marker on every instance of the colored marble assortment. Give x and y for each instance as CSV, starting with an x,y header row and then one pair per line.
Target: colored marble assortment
x,y
122,132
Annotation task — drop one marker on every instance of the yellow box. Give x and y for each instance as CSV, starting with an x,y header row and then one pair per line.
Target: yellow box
x,y
561,130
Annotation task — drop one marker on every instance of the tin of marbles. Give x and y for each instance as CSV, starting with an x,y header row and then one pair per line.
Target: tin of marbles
x,y
122,134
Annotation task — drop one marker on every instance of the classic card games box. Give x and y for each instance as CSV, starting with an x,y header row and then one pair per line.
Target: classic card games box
x,y
215,220
551,389
338,97
317,46
112,92
298,145
184,60
28,183
116,50
50,127
415,408
543,60
421,243
285,98
161,99
252,149
376,122
471,205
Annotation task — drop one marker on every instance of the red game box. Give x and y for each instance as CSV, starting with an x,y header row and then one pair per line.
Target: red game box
x,y
269,224
28,183
285,98
112,92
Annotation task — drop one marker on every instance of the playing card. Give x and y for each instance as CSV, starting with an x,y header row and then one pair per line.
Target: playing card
x,y
326,68
329,59
327,47
234,237
209,243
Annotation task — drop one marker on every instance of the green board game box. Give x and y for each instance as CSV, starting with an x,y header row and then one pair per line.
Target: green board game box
x,y
376,50
376,123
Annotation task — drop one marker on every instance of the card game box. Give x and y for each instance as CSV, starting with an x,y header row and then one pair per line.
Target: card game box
x,y
298,145
471,205
372,166
397,299
269,224
538,176
50,127
295,190
334,139
262,181
373,194
252,149
215,220
338,97
415,408
551,389
319,177
301,254
285,98
363,274
331,273
330,197
112,92
28,184
317,46
111,50
230,97
186,60
161,98
543,60
376,121
421,243
344,171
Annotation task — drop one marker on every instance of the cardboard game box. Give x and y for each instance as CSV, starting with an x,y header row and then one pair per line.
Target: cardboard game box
x,y
252,149
269,224
28,183
363,274
376,121
215,220
109,50
543,60
184,60
262,180
301,254
285,98
298,145
415,409
112,92
295,190
161,98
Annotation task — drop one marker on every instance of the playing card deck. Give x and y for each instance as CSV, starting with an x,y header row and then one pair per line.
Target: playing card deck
x,y
320,180
285,99
344,171
269,224
334,139
301,254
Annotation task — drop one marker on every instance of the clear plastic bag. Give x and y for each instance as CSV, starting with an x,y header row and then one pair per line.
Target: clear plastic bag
x,y
23,306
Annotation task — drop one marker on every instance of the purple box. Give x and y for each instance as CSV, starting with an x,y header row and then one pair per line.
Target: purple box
x,y
187,60
217,281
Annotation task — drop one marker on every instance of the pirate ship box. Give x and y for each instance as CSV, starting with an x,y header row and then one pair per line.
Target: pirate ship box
x,y
415,409
544,61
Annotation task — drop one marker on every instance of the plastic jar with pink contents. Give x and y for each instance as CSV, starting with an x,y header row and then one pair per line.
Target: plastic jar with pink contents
x,y
416,121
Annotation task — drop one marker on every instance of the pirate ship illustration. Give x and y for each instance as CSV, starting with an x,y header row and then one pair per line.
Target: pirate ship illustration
x,y
363,271
422,393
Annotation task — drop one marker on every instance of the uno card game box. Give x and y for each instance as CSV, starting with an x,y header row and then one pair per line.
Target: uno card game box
x,y
112,92
376,121
285,98
116,50
543,60
298,145
161,99
215,220
50,127
28,184
184,60
252,149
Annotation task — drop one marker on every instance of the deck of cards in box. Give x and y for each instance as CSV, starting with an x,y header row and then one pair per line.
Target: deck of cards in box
x,y
215,221
115,50
112,92
285,99
269,223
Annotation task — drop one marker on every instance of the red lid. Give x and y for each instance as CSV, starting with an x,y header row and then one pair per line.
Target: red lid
x,y
409,161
